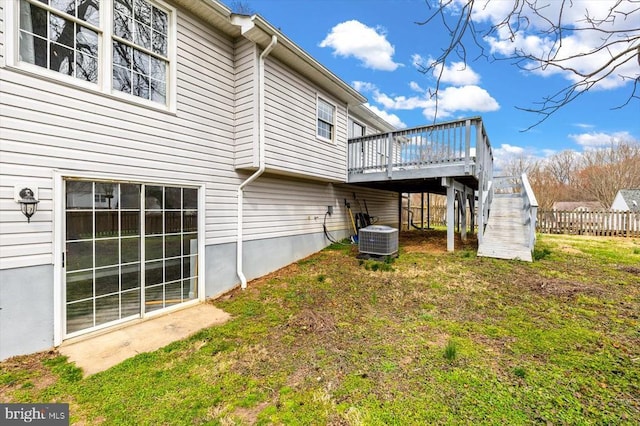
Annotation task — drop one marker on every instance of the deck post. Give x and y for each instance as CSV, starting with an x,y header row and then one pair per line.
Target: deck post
x,y
467,146
399,211
472,211
463,226
428,210
451,197
422,211
389,155
409,216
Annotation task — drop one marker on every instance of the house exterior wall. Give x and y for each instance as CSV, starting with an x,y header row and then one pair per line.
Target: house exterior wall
x,y
50,126
51,130
619,203
26,317
291,126
246,105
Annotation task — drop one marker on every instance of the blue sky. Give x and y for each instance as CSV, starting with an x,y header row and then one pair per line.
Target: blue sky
x,y
374,46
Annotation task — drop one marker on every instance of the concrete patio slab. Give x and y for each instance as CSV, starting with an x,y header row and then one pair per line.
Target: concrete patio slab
x,y
100,352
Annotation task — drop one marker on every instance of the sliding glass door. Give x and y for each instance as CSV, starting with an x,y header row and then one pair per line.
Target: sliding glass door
x,y
130,248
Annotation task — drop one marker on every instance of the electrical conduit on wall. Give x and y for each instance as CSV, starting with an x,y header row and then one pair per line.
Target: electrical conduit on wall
x,y
261,159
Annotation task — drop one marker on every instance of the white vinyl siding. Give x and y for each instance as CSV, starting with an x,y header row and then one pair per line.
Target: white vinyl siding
x,y
246,105
2,34
278,207
47,126
290,127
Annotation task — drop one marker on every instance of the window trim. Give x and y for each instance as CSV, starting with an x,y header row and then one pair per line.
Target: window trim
x,y
104,85
351,124
320,98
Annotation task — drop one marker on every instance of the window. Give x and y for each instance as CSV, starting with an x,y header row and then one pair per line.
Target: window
x,y
326,119
62,37
356,130
131,44
140,36
130,249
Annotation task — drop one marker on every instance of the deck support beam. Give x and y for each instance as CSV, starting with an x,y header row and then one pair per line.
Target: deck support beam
x,y
451,200
463,207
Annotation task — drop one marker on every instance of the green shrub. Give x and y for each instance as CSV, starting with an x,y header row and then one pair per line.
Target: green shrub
x,y
539,254
450,351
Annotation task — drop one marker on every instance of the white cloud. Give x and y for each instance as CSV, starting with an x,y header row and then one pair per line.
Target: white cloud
x,y
510,149
457,74
364,86
416,87
453,100
392,119
417,61
584,125
506,156
533,39
598,139
369,45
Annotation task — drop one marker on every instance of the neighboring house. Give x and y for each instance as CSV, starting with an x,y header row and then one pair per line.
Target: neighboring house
x,y
576,206
176,150
627,200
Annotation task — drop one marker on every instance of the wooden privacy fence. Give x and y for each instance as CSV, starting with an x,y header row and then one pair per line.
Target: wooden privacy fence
x,y
599,223
432,216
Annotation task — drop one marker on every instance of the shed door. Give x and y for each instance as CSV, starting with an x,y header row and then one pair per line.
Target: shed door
x,y
130,249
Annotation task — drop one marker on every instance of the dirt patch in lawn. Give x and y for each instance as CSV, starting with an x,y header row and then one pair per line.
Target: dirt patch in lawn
x,y
434,242
559,287
310,321
631,269
13,371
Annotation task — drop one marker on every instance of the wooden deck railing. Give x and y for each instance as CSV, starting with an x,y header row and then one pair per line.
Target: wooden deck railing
x,y
598,223
444,143
463,144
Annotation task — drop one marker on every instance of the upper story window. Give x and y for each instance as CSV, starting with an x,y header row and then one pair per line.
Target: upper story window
x,y
140,38
356,130
326,120
124,49
61,35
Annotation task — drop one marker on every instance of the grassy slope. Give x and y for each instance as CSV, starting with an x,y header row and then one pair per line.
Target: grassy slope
x,y
431,338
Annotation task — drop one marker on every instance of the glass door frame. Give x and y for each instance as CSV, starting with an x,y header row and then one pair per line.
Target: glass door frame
x,y
59,250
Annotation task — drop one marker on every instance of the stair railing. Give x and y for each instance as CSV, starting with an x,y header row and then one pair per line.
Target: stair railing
x,y
530,209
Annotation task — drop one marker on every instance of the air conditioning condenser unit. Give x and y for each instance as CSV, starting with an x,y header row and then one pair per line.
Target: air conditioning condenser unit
x,y
378,240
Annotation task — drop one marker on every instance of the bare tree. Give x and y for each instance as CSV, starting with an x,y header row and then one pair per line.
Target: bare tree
x,y
607,170
563,167
545,186
242,7
592,43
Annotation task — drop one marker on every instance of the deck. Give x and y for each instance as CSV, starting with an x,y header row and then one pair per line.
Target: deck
x,y
453,158
406,158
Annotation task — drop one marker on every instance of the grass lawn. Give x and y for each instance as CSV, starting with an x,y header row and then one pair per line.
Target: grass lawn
x,y
428,338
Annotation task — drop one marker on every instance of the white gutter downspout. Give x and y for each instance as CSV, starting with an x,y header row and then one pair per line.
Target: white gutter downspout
x,y
261,159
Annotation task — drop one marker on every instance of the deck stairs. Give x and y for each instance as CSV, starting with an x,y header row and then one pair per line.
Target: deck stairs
x,y
507,233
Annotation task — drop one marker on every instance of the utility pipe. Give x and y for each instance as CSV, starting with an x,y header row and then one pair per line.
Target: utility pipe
x,y
261,159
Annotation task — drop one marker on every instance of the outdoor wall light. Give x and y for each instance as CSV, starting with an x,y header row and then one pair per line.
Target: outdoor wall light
x,y
28,203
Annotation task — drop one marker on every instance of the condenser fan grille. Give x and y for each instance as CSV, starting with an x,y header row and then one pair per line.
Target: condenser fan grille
x,y
378,239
